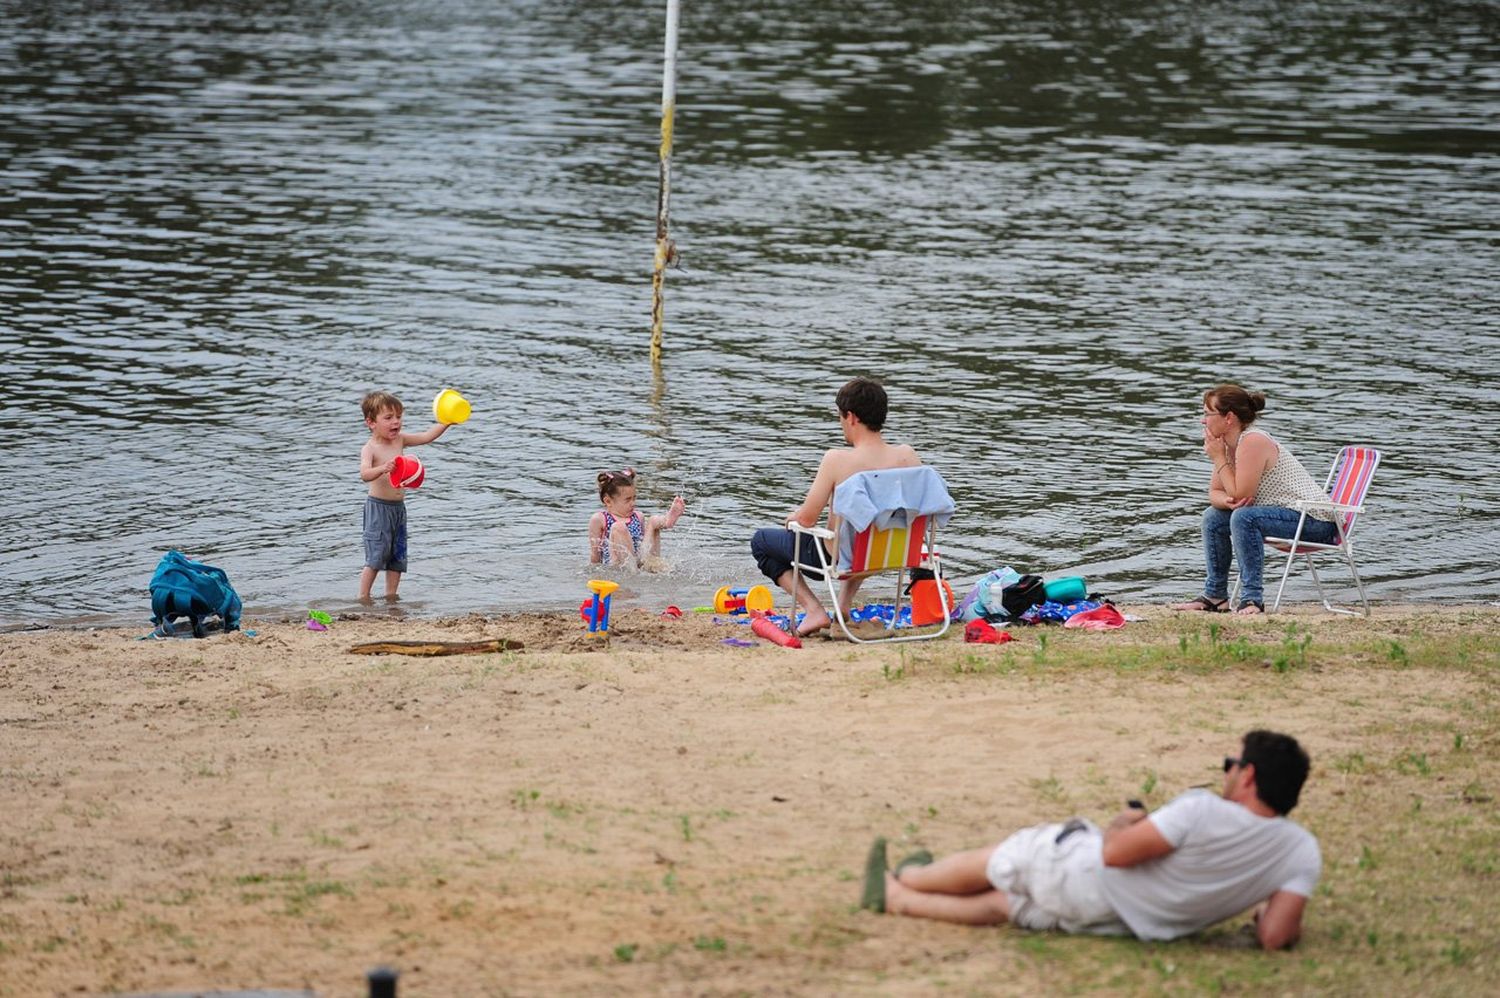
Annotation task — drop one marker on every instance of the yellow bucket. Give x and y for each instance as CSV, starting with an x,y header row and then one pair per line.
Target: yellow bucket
x,y
450,407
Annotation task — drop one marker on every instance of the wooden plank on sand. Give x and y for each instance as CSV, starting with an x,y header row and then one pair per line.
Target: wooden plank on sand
x,y
435,647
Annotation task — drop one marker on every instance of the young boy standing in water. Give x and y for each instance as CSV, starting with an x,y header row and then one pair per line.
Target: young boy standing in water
x,y
385,507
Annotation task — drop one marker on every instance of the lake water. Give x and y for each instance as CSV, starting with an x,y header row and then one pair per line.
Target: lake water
x,y
1046,226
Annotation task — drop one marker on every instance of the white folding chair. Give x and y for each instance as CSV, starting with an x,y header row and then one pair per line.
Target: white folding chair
x,y
1348,481
897,538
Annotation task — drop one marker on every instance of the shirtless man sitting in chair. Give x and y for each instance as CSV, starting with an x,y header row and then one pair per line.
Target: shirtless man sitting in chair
x,y
862,408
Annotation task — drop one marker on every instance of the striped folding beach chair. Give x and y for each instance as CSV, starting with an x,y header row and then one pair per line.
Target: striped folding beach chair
x,y
1348,481
909,541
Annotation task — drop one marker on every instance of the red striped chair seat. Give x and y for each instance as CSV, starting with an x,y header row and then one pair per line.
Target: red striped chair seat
x,y
878,550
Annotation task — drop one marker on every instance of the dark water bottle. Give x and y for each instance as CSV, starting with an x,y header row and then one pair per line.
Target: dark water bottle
x,y
382,982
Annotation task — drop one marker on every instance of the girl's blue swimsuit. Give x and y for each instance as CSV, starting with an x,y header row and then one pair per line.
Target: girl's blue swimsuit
x,y
635,525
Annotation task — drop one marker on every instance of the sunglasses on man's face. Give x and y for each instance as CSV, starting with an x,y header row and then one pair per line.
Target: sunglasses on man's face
x,y
1230,762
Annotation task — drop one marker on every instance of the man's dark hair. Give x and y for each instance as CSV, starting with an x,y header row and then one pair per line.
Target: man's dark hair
x,y
1281,768
866,399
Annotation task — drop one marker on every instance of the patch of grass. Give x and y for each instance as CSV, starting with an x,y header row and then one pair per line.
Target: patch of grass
x,y
1049,790
1350,762
169,930
710,944
625,952
1293,653
1456,953
303,897
1174,648
1414,762
1474,793
457,911
562,809
1239,649
203,768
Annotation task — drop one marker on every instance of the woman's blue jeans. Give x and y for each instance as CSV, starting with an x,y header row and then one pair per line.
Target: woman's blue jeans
x,y
1242,533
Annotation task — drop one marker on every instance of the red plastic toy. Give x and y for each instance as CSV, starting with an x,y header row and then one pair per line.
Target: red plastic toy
x,y
408,473
767,629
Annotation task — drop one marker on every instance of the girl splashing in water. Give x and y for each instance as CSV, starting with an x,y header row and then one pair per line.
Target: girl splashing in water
x,y
618,533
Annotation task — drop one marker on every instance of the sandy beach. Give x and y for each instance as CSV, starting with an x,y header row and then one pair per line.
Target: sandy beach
x,y
665,813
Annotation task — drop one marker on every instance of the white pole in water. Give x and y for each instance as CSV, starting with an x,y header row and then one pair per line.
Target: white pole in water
x,y
666,250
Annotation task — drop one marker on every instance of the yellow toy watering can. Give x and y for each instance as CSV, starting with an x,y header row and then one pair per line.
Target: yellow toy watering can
x,y
450,407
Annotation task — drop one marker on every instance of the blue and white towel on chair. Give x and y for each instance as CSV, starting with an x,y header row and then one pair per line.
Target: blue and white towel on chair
x,y
892,497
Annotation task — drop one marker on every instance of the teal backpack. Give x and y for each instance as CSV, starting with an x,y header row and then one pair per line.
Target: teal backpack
x,y
191,589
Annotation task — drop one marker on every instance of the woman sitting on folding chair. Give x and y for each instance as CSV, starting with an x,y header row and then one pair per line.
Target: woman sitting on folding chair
x,y
1254,484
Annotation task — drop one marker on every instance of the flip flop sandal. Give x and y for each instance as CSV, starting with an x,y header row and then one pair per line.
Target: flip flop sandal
x,y
1259,608
1208,605
873,896
919,858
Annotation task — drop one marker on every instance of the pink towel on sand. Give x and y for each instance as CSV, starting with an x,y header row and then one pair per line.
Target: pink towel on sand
x,y
1101,618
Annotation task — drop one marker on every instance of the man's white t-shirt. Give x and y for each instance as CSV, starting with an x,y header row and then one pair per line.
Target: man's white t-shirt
x,y
1224,860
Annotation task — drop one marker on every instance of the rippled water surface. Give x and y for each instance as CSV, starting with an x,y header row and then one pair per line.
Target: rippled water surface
x,y
1047,227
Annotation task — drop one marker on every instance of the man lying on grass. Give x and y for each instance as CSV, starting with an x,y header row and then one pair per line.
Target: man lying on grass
x,y
1199,860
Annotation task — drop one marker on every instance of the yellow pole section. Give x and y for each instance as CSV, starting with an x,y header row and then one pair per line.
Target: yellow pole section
x,y
666,252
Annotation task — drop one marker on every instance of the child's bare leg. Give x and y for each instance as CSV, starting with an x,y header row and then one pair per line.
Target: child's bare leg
x,y
621,548
392,580
656,524
674,512
366,580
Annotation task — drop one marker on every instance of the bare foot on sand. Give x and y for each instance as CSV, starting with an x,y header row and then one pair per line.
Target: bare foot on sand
x,y
812,623
895,894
